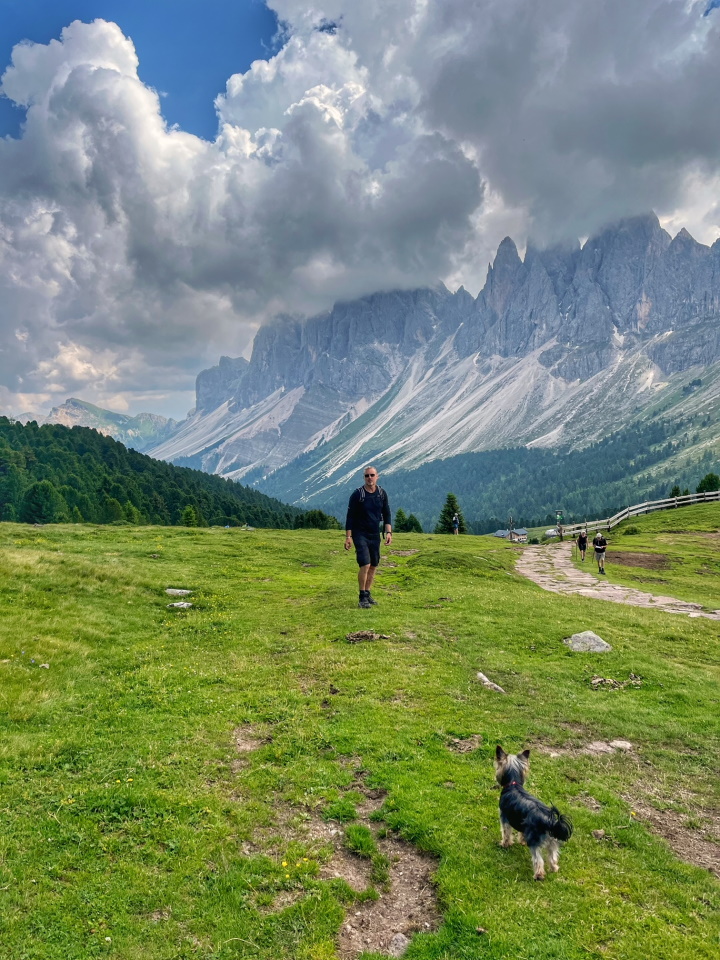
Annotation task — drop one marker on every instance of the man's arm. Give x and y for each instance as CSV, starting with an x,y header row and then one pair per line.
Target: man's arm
x,y
387,520
349,519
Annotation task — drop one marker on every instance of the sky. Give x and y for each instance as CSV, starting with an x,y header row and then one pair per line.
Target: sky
x,y
174,174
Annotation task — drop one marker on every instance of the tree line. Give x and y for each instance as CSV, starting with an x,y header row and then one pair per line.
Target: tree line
x,y
57,474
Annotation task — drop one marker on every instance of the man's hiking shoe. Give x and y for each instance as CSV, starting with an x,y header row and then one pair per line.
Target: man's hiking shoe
x,y
371,601
364,603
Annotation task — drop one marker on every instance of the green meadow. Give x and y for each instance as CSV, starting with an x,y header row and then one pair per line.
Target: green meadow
x,y
679,554
154,762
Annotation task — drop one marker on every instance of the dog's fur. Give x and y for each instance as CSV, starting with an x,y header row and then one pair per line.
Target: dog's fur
x,y
539,825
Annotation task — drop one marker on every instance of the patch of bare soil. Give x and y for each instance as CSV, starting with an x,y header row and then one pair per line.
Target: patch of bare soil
x,y
365,636
408,907
699,846
402,553
651,561
465,744
246,740
406,903
594,748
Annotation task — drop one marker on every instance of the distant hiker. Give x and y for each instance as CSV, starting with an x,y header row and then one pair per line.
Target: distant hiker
x,y
367,509
582,544
456,525
600,544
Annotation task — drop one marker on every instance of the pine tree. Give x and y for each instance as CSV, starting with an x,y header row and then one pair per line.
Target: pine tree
x,y
188,517
413,525
42,504
675,492
710,482
401,521
452,507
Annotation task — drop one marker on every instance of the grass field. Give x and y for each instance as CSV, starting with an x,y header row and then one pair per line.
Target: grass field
x,y
678,556
174,785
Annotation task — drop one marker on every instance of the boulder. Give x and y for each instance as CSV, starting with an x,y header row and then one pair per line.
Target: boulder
x,y
587,642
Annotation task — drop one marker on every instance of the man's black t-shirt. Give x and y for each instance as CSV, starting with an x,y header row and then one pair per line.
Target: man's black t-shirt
x,y
365,515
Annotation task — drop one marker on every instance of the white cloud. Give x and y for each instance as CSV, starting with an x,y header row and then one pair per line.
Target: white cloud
x,y
392,150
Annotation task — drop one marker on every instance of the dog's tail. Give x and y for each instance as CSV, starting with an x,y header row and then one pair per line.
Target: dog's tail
x,y
560,826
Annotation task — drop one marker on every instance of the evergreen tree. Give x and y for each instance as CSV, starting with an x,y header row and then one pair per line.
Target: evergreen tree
x,y
112,510
188,518
401,521
675,492
452,507
413,525
42,504
710,482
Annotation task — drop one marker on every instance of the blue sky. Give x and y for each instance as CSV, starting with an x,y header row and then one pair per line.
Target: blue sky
x,y
187,48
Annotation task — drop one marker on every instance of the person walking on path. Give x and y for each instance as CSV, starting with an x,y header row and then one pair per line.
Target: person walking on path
x,y
582,544
600,545
368,508
456,525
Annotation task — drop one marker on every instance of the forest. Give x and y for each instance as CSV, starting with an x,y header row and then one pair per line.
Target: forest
x,y
56,474
531,484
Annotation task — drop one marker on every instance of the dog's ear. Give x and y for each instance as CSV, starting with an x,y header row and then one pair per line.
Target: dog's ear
x,y
499,753
525,755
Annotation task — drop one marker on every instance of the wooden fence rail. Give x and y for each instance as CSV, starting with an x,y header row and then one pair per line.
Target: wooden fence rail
x,y
572,530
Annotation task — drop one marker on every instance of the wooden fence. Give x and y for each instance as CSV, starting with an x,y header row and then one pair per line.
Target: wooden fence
x,y
572,530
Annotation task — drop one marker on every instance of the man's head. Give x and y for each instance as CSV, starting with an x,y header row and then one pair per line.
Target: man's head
x,y
370,476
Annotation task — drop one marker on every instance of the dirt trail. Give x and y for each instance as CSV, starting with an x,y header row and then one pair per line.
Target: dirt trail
x,y
552,569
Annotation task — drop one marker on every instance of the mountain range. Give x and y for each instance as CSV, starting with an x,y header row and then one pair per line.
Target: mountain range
x,y
561,347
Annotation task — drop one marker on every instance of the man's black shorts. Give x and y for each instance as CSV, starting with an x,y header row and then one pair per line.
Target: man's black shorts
x,y
367,551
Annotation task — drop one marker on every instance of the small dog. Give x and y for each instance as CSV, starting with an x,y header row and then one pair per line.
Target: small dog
x,y
539,825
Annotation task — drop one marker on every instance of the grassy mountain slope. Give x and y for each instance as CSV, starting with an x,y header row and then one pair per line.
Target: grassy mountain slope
x,y
170,780
642,461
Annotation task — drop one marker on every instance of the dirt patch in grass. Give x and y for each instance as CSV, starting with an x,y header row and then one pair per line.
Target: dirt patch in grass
x,y
408,907
404,904
246,739
402,553
595,748
465,744
696,845
651,561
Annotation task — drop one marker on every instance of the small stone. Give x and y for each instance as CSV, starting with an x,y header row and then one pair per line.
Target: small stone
x,y
44,666
174,592
488,683
179,606
598,746
398,945
587,642
598,834
621,745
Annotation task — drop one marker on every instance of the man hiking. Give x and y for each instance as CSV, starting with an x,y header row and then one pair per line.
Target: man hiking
x,y
600,545
367,509
582,544
456,525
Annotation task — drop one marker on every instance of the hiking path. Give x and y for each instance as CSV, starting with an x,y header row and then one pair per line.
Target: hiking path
x,y
551,568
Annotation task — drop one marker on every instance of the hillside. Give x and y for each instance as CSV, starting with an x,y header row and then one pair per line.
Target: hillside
x,y
530,483
53,473
239,781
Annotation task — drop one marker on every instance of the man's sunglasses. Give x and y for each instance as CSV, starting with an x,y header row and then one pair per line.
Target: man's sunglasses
x,y
370,474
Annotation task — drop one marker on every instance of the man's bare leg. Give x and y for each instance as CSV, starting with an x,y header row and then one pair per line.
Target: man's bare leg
x,y
366,575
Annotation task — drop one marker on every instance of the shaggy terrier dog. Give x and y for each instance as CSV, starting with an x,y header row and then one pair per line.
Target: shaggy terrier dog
x,y
539,825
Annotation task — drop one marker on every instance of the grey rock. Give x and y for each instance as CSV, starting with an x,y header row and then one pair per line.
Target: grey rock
x,y
587,642
632,304
398,945
174,592
182,605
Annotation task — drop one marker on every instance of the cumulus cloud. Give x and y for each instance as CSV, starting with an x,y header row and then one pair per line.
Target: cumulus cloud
x,y
387,144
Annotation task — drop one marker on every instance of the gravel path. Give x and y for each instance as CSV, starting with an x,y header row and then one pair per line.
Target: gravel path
x,y
552,569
